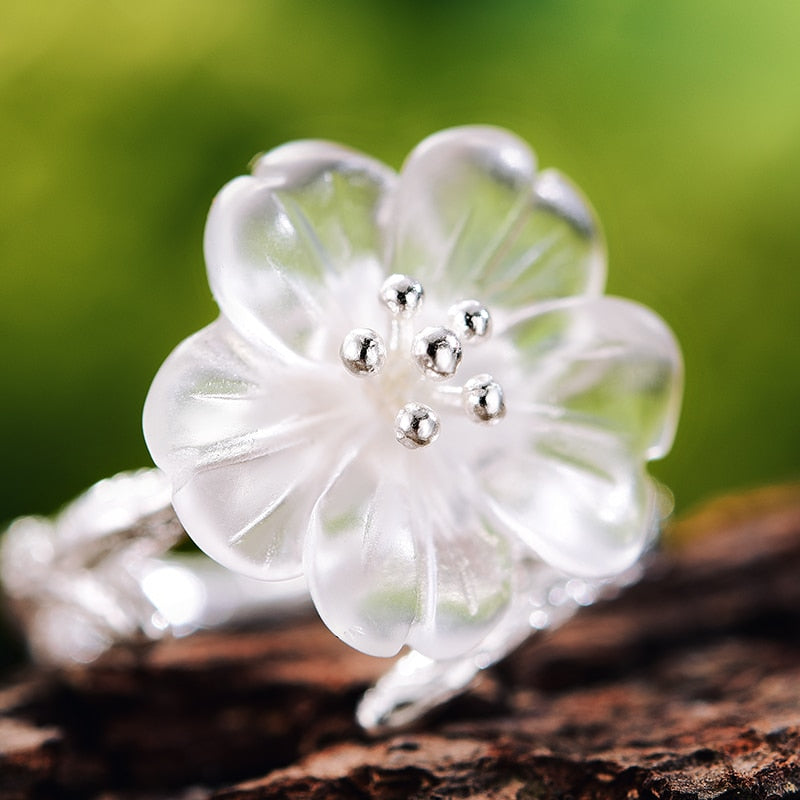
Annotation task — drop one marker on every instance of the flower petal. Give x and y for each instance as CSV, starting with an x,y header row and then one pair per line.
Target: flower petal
x,y
575,495
468,562
610,362
361,559
472,217
286,248
237,433
392,560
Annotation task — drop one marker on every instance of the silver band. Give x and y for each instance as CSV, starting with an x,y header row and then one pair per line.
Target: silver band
x,y
101,573
98,574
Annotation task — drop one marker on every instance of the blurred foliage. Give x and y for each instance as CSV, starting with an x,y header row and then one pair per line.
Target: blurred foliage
x,y
119,121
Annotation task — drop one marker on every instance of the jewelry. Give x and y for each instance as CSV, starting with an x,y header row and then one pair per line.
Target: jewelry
x,y
416,408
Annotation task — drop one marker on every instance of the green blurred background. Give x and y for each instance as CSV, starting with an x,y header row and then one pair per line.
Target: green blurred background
x,y
120,120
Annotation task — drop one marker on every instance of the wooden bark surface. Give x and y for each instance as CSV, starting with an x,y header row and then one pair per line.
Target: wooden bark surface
x,y
686,685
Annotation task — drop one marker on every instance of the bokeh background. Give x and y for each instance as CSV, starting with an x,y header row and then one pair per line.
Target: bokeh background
x,y
120,120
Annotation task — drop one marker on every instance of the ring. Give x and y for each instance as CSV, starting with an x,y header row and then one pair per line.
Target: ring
x,y
416,410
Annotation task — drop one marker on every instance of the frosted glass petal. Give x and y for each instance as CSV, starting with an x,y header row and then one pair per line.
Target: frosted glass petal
x,y
362,563
468,562
334,192
472,217
285,247
609,362
574,494
392,560
238,434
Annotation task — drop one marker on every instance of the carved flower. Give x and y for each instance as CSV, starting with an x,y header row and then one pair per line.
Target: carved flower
x,y
415,388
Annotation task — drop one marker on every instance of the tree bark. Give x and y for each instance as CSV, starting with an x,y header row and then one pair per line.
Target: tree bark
x,y
686,685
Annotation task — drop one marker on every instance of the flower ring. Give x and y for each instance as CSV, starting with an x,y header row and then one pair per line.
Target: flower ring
x,y
415,394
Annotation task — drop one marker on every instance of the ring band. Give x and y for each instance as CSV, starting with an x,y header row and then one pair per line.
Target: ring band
x,y
101,573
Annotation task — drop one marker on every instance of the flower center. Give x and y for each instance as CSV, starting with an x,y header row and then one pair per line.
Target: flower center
x,y
434,352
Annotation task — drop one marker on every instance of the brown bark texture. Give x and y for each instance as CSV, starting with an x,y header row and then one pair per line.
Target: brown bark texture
x,y
686,685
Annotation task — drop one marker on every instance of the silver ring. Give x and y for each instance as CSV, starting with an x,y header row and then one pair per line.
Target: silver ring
x,y
416,411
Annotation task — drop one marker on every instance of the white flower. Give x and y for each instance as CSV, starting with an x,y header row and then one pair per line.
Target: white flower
x,y
285,462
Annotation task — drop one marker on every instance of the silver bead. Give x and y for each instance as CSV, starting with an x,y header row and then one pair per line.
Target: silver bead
x,y
402,295
416,425
470,320
437,352
363,352
483,399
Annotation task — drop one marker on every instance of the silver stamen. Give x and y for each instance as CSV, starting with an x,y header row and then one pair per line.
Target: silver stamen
x,y
416,425
471,320
483,399
437,352
363,352
402,295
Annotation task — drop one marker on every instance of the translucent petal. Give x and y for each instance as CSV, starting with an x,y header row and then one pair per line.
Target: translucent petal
x,y
285,247
574,494
609,362
469,562
361,562
391,560
332,191
472,218
238,434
